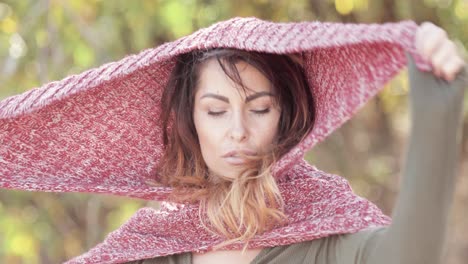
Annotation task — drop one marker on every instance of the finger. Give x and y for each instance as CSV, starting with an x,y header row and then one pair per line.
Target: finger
x,y
425,27
428,24
431,41
442,55
420,33
453,67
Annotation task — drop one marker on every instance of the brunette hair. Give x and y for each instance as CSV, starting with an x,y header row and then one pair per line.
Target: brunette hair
x,y
240,208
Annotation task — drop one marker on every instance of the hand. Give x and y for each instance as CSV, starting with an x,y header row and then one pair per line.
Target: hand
x,y
434,46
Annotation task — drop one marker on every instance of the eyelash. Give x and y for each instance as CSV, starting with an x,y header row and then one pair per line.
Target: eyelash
x,y
259,112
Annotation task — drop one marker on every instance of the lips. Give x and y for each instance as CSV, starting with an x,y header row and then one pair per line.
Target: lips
x,y
236,153
234,158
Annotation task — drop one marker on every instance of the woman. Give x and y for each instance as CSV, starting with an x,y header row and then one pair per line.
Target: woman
x,y
230,121
233,108
235,104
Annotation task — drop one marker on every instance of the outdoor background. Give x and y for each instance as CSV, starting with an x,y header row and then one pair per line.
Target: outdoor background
x,y
46,40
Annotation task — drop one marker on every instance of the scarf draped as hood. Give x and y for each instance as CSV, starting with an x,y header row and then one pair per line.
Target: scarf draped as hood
x,y
100,132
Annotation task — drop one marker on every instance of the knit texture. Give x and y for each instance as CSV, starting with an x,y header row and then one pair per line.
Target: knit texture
x,y
99,132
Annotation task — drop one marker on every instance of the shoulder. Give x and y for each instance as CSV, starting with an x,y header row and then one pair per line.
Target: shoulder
x,y
339,249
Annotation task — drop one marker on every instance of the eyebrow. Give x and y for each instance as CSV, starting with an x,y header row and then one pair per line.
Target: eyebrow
x,y
247,99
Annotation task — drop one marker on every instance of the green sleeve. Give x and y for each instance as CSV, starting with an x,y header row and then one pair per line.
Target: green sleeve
x,y
420,217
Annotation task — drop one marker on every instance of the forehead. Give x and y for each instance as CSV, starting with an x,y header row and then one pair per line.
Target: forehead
x,y
212,78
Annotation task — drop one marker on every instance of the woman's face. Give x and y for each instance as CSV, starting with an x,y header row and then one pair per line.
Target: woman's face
x,y
228,121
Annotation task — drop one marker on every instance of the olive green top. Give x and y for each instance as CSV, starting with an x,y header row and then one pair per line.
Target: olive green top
x,y
328,250
417,232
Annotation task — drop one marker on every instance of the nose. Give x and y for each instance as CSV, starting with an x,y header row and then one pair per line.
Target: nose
x,y
238,130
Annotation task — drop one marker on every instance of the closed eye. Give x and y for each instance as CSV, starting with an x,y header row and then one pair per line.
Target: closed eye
x,y
216,113
258,112
261,112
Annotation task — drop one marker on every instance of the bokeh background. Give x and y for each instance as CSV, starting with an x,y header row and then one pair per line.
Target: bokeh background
x,y
46,40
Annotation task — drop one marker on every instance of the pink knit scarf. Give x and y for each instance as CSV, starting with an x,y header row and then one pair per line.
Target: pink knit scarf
x,y
99,132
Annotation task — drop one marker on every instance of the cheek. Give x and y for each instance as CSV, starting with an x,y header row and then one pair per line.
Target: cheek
x,y
208,137
207,130
266,130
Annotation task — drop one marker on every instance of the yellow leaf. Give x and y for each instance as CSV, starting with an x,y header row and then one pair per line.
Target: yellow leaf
x,y
24,245
461,10
8,25
83,56
344,7
178,16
